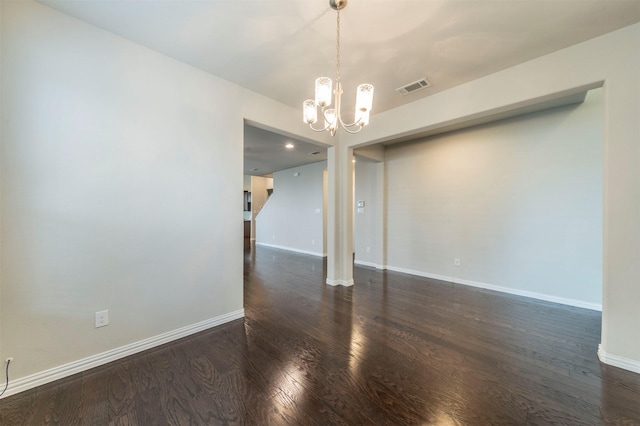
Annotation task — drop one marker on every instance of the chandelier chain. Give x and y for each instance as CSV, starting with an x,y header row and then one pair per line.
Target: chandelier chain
x,y
338,47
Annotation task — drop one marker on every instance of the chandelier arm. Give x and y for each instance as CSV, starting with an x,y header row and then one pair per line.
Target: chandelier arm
x,y
347,129
318,130
355,123
325,128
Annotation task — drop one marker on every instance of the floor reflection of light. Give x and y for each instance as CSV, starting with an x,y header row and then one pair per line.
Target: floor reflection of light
x,y
291,381
443,419
357,347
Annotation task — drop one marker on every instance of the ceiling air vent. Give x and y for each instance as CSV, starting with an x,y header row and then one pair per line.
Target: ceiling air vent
x,y
412,87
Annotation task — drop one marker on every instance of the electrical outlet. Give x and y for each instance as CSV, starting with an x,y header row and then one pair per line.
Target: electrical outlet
x,y
313,242
102,318
456,262
368,249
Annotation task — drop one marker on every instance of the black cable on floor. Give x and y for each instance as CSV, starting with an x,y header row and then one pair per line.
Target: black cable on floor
x,y
7,374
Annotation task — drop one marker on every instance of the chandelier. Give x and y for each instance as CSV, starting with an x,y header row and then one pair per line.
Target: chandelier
x,y
332,117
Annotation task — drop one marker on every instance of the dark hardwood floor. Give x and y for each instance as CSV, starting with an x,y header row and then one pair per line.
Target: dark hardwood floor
x,y
394,349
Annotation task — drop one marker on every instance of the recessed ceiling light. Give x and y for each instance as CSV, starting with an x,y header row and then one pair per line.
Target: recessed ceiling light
x,y
254,170
289,145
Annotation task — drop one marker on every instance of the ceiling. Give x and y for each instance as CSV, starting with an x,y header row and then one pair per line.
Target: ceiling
x,y
266,152
278,47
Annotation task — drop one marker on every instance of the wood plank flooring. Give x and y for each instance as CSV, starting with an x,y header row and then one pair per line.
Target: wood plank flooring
x,y
394,349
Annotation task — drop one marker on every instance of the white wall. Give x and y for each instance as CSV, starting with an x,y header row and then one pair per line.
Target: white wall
x,y
366,241
121,185
292,218
246,183
121,177
518,202
1,163
258,198
612,60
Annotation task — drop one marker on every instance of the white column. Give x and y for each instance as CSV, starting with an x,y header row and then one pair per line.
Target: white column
x,y
340,216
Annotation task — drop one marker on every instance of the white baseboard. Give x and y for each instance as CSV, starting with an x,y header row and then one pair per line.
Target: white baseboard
x,y
369,264
618,361
346,283
312,253
509,290
24,383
